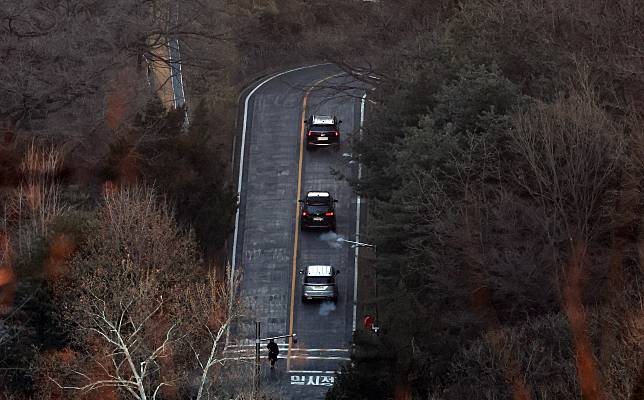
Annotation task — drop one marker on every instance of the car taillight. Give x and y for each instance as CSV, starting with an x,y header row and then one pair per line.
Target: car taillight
x,y
329,214
337,133
310,133
304,213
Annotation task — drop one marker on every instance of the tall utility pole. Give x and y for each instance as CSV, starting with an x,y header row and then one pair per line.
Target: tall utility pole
x,y
375,269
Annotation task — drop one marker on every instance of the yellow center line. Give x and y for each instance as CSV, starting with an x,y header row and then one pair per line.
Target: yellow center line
x,y
297,217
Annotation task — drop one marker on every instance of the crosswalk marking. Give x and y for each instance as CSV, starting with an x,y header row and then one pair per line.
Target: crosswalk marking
x,y
310,371
251,347
306,357
247,352
322,358
297,350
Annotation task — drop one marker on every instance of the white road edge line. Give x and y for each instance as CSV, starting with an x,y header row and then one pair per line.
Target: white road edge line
x,y
357,248
241,173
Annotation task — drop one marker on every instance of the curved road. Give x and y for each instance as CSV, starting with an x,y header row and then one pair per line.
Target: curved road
x,y
269,247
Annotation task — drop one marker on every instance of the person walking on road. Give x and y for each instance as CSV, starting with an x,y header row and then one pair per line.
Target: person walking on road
x,y
273,352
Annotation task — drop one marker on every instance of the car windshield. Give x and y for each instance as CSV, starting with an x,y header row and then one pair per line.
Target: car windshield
x,y
317,280
323,128
317,208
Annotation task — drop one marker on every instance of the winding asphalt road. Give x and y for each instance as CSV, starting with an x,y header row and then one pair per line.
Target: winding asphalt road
x,y
268,245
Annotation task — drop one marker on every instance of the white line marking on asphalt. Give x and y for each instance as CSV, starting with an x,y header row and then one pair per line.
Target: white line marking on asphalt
x,y
241,172
249,350
250,358
183,87
355,269
298,357
303,371
322,358
172,78
249,347
253,345
322,350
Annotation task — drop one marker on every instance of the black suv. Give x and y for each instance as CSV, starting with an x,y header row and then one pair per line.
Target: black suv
x,y
322,130
318,210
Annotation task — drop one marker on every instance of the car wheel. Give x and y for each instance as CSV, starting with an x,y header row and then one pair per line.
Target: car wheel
x,y
309,147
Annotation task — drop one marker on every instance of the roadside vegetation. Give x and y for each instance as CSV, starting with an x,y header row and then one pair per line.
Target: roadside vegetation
x,y
115,214
503,160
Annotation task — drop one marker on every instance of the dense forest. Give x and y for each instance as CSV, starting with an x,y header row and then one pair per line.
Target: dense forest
x,y
503,160
503,151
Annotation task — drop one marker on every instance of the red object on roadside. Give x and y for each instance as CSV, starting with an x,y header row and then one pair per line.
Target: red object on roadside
x,y
368,321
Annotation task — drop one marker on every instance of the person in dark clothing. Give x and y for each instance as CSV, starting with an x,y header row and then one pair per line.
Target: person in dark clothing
x,y
273,351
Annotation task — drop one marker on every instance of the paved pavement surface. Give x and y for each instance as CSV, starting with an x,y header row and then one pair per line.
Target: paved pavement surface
x,y
176,77
267,231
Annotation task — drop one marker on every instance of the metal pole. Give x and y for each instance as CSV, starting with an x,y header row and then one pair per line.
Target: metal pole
x,y
257,341
375,285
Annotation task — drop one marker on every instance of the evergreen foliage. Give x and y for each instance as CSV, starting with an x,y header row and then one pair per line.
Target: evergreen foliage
x,y
496,171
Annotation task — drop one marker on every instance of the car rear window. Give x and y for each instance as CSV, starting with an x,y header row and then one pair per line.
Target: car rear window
x,y
317,208
323,128
319,279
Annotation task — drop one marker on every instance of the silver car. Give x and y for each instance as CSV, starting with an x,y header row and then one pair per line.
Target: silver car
x,y
318,282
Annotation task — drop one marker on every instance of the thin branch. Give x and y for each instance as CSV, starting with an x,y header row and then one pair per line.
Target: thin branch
x,y
97,384
154,395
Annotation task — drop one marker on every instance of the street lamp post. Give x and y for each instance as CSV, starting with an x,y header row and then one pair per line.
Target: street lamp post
x,y
373,246
356,244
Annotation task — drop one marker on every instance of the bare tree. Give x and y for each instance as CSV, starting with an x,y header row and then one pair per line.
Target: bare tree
x,y
29,209
123,364
573,155
221,320
144,304
121,335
